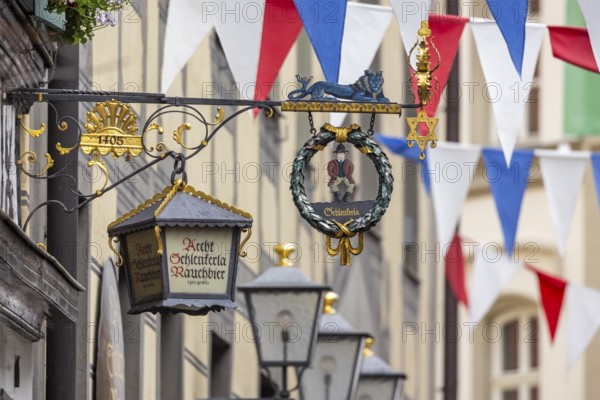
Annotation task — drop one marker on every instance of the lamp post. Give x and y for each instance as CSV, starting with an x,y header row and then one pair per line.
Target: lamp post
x,y
377,380
284,307
333,374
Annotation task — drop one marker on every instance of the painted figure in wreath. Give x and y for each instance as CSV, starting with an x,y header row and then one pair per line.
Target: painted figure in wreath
x,y
340,173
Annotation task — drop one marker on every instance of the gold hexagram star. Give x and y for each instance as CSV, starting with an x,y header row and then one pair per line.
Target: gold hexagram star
x,y
422,141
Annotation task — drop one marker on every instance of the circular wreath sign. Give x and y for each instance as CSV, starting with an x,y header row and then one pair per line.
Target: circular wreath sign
x,y
365,144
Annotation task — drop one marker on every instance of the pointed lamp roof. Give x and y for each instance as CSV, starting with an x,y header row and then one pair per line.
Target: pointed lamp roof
x,y
331,319
375,366
183,206
277,278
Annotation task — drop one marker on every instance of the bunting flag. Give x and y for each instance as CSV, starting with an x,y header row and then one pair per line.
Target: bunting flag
x,y
508,187
324,24
360,44
400,146
511,17
591,12
280,30
455,270
409,14
583,319
562,172
186,27
552,291
489,277
506,91
446,31
240,39
572,44
596,168
455,166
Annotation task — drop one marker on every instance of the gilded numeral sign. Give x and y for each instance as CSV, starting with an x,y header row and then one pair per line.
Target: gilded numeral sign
x,y
111,129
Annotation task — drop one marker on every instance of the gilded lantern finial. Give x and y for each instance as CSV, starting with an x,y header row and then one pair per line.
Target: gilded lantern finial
x,y
368,350
423,73
424,31
284,251
330,299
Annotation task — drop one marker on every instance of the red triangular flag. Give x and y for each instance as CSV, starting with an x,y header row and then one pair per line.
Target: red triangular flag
x,y
455,270
281,27
572,44
552,292
446,31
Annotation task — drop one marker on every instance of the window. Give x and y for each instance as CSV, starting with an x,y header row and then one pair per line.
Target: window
x,y
514,356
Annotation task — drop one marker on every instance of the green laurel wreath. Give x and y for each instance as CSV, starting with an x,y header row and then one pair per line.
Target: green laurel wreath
x,y
360,140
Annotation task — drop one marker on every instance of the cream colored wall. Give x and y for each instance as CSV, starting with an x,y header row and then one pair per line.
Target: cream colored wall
x,y
413,354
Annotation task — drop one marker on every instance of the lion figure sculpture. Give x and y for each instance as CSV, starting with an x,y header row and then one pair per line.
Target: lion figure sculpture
x,y
368,88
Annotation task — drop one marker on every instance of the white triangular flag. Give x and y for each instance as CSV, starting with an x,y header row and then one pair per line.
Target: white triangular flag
x,y
563,175
583,316
240,36
591,12
186,27
507,92
367,25
489,277
409,14
452,169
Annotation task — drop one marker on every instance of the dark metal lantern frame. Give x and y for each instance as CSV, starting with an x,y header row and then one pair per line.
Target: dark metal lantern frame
x,y
283,280
181,206
333,328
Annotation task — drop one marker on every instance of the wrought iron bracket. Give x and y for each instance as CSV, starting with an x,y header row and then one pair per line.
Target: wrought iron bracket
x,y
111,129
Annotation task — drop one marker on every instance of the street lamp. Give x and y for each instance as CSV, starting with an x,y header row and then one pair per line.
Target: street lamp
x,y
378,381
333,374
284,307
180,251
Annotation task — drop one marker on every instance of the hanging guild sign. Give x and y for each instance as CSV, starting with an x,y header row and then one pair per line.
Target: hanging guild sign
x,y
180,251
344,214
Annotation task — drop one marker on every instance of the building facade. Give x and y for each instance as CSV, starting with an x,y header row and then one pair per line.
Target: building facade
x,y
397,284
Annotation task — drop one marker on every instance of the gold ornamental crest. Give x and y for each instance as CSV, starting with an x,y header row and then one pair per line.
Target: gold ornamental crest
x,y
111,128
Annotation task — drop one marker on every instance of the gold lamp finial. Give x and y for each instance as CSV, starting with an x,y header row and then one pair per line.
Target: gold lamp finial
x,y
424,31
284,251
368,350
330,299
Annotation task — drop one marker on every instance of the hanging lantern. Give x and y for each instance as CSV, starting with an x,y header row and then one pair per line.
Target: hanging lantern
x,y
378,380
180,251
338,357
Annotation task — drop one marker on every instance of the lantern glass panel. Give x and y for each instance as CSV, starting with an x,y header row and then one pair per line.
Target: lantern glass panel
x,y
279,313
377,388
333,372
143,266
199,259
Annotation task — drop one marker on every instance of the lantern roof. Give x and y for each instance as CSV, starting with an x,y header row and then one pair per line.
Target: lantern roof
x,y
332,323
336,325
183,206
375,366
282,278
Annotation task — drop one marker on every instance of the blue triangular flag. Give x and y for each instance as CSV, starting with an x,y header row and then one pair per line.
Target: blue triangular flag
x,y
508,187
400,146
511,17
596,168
324,24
